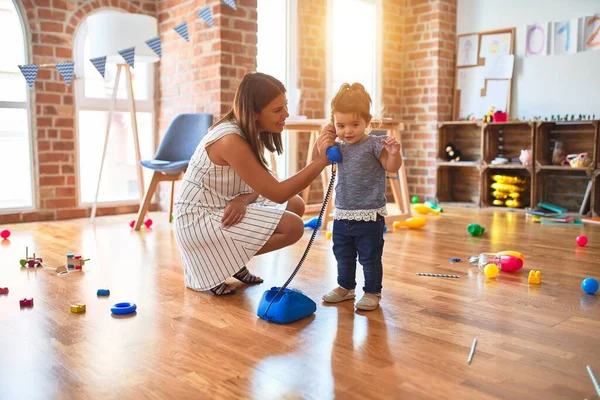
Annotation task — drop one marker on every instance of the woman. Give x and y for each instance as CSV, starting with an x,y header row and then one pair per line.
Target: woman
x,y
229,207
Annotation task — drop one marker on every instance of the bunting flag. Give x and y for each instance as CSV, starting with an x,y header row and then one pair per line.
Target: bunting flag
x,y
30,72
100,64
206,15
230,3
129,55
65,69
182,29
154,44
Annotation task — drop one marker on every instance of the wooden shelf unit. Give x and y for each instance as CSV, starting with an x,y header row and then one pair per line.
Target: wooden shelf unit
x,y
468,182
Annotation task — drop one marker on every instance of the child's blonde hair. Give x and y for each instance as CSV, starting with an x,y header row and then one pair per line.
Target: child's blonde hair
x,y
356,100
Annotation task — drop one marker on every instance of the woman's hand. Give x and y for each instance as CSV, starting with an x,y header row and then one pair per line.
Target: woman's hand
x,y
234,212
325,140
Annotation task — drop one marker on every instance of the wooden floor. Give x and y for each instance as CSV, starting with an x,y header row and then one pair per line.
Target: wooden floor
x,y
533,341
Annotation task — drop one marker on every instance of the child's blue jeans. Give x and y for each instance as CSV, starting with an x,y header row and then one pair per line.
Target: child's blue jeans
x,y
364,238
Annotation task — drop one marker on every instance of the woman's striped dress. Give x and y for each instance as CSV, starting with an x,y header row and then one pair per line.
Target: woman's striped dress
x,y
210,253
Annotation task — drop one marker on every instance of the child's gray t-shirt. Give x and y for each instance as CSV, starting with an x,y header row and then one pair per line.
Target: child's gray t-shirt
x,y
360,188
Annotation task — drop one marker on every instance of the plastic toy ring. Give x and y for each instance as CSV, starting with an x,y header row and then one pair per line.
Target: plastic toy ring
x,y
123,308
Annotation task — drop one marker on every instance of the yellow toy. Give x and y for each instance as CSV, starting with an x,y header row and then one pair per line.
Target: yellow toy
x,y
329,235
78,308
489,116
423,209
507,190
491,270
411,223
535,277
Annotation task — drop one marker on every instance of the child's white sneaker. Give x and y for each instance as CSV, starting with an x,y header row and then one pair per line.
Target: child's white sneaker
x,y
335,297
368,303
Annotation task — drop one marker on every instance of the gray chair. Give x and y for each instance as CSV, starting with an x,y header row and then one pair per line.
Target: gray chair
x,y
173,156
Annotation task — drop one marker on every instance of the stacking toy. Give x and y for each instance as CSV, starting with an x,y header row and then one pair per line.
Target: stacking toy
x,y
475,229
411,223
589,285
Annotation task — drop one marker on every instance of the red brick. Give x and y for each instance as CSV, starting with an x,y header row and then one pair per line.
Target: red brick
x,y
52,180
59,203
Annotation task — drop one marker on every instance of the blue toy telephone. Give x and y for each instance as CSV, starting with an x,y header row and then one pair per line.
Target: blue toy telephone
x,y
283,305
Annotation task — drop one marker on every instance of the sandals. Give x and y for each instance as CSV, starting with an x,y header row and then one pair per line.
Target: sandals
x,y
335,297
222,290
244,275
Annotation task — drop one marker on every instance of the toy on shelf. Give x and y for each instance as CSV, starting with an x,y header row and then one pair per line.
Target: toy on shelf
x,y
581,240
506,190
500,116
78,308
452,153
535,277
580,160
5,234
589,285
489,116
559,155
526,157
3,290
411,223
26,302
31,262
475,229
147,223
424,209
76,262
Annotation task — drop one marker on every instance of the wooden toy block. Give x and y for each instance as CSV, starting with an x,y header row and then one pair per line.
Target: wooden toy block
x,y
103,292
535,277
78,308
3,290
75,261
26,302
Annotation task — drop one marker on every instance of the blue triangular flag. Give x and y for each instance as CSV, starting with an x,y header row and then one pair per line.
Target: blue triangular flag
x,y
100,64
65,69
129,55
206,15
30,72
182,30
230,3
154,44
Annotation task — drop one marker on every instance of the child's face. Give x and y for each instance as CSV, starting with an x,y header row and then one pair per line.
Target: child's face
x,y
350,128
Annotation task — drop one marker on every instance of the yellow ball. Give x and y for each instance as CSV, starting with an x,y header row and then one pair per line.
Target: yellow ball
x,y
491,270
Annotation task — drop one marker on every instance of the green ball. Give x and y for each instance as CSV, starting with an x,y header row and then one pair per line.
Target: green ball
x,y
415,199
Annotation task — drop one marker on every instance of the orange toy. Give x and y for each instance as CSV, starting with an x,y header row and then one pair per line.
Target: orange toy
x,y
411,223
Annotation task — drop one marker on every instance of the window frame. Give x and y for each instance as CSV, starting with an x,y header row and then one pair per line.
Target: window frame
x,y
83,103
377,95
28,107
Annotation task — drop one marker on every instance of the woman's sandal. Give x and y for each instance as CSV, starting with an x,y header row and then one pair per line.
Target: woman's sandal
x,y
223,290
245,276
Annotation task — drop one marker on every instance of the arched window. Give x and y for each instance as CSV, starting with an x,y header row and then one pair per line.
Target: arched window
x,y
119,182
16,180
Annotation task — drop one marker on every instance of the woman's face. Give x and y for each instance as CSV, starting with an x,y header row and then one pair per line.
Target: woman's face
x,y
272,117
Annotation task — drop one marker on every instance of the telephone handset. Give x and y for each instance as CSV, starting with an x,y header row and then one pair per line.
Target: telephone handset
x,y
334,154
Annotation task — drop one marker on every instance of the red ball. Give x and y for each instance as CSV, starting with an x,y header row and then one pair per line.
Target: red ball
x,y
5,234
148,223
581,240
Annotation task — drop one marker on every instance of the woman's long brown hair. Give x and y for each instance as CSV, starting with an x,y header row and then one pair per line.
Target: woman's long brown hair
x,y
253,94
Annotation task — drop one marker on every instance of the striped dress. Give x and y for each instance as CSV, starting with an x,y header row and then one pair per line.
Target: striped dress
x,y
211,253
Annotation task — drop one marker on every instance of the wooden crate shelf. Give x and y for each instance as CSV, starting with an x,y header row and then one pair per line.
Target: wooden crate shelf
x,y
564,188
466,137
460,183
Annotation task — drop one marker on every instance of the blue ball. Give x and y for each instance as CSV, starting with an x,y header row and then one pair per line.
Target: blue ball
x,y
589,285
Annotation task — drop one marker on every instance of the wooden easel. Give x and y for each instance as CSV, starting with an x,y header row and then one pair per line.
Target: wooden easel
x,y
398,181
134,127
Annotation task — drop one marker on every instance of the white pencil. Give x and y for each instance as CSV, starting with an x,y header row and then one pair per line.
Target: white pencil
x,y
593,378
472,351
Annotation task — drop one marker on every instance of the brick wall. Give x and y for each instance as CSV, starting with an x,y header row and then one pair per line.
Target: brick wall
x,y
426,90
50,26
